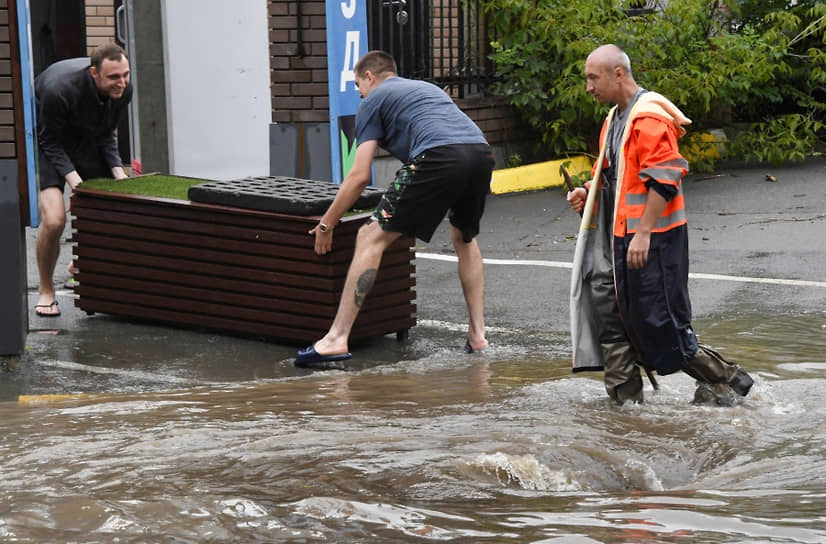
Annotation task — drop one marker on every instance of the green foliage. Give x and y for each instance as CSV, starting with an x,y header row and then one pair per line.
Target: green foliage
x,y
721,62
514,160
788,138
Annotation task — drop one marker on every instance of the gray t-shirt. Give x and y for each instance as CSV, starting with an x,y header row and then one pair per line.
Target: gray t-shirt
x,y
408,116
613,140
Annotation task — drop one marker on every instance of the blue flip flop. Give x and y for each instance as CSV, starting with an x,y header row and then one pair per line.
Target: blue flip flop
x,y
309,355
469,348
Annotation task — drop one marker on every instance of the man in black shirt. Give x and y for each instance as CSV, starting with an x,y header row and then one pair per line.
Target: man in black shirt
x,y
79,105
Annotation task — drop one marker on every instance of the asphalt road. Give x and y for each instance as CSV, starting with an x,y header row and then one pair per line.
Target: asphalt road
x,y
741,226
757,248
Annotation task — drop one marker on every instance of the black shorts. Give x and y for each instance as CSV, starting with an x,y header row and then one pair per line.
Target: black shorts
x,y
88,169
454,178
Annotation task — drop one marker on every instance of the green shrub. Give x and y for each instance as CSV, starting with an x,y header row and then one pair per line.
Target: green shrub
x,y
721,62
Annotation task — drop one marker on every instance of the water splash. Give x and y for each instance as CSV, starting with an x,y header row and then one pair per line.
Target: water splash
x,y
524,471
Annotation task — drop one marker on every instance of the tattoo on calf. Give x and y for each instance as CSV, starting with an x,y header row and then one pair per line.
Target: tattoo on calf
x,y
364,285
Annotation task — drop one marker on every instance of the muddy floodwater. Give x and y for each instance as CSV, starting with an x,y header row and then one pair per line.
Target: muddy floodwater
x,y
419,443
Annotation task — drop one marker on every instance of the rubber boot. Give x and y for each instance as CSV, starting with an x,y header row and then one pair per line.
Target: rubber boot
x,y
718,381
623,381
741,382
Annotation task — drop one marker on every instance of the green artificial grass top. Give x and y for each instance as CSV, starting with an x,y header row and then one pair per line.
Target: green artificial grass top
x,y
160,186
157,185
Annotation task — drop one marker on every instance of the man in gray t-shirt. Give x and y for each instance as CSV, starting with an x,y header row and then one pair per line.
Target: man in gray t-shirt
x,y
408,117
446,170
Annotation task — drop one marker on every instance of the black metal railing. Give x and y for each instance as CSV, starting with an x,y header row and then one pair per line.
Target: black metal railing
x,y
442,41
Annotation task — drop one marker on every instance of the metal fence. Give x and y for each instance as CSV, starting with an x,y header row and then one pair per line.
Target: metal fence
x,y
442,41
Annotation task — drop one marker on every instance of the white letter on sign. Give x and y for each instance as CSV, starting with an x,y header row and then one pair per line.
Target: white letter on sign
x,y
348,11
351,56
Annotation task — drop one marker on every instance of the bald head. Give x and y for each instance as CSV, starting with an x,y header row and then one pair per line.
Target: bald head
x,y
609,57
608,76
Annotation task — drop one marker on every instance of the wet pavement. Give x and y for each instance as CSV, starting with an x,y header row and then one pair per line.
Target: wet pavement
x,y
120,431
757,250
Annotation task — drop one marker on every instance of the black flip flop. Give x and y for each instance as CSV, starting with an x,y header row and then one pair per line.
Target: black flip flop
x,y
43,314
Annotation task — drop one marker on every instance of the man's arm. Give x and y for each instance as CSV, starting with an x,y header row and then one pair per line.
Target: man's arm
x,y
51,124
641,242
665,167
108,146
73,179
350,190
108,143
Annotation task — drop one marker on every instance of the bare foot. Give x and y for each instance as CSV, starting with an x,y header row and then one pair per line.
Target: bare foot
x,y
327,347
471,347
47,307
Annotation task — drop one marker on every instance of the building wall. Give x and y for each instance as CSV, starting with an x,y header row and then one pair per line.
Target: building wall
x,y
298,59
219,118
298,87
7,117
298,50
100,23
14,318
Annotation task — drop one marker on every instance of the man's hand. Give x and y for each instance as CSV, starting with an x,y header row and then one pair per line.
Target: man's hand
x,y
348,193
119,173
73,179
323,240
638,250
576,199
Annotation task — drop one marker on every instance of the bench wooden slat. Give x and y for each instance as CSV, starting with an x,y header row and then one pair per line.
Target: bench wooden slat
x,y
231,269
248,308
123,276
291,333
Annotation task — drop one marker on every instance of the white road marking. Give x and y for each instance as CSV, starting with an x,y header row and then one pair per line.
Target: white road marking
x,y
148,376
453,259
692,275
460,327
746,279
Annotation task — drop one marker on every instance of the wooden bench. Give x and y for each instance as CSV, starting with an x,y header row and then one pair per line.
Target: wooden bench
x,y
227,268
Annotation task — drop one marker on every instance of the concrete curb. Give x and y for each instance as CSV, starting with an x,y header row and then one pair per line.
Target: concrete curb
x,y
541,175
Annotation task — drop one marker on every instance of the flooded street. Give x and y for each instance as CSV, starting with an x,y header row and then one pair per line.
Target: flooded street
x,y
505,446
130,432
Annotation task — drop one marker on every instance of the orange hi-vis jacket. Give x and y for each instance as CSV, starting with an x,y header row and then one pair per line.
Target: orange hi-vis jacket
x,y
653,301
652,130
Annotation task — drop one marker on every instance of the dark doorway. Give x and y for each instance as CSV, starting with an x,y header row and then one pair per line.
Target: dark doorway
x,y
58,31
124,133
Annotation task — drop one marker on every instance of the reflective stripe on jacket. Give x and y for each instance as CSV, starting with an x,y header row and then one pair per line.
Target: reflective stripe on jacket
x,y
652,133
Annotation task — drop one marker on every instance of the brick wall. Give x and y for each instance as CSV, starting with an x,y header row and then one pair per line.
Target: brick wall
x,y
444,40
12,122
298,62
7,113
496,118
298,58
100,23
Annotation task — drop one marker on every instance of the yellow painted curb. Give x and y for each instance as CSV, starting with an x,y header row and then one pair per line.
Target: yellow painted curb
x,y
703,145
43,400
540,175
